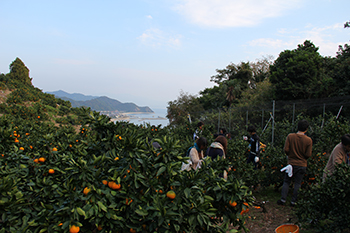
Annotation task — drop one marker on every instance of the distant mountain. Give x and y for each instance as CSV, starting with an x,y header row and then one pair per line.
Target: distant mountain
x,y
74,96
97,103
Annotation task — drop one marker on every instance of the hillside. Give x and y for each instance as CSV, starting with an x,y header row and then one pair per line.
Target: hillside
x,y
102,103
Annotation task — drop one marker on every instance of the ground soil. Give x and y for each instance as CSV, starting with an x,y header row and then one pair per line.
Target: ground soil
x,y
270,215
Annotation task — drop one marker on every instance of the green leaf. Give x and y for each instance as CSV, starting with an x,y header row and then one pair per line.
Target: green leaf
x,y
161,170
187,192
103,207
141,212
81,212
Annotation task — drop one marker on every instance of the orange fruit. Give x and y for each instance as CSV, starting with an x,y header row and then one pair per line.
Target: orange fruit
x,y
51,171
233,204
160,191
171,194
42,159
36,160
74,229
132,230
105,182
113,185
21,148
86,190
54,149
99,228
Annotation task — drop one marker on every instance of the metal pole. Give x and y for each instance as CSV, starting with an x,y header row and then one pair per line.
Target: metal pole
x,y
273,121
229,120
219,120
247,119
339,111
293,114
324,111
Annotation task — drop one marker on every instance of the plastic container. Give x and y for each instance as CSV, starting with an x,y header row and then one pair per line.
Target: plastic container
x,y
287,228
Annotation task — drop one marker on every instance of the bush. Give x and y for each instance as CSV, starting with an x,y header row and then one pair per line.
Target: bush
x,y
326,206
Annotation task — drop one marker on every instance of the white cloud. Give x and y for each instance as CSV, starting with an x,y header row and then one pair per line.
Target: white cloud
x,y
156,38
233,13
325,38
271,43
149,17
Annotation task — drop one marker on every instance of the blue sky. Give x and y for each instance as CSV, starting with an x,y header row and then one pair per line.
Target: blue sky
x,y
148,51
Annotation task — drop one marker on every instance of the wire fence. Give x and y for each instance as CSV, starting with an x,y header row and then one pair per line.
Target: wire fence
x,y
264,116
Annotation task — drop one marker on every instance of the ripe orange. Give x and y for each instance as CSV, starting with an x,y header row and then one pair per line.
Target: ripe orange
x,y
21,148
54,149
74,229
42,159
105,182
233,204
36,160
51,171
132,230
114,185
171,194
86,190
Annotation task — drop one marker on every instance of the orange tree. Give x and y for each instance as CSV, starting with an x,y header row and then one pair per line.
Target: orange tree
x,y
325,206
45,173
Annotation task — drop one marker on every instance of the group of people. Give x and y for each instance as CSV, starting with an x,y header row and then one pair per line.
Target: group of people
x,y
297,147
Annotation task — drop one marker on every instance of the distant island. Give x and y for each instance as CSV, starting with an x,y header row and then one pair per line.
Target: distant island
x,y
110,107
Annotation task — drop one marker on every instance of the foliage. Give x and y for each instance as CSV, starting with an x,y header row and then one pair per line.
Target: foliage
x,y
325,206
36,200
295,74
184,107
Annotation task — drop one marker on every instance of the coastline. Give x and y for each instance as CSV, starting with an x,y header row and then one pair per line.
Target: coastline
x,y
127,116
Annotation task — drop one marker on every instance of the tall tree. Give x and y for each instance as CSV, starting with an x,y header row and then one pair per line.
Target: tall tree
x,y
19,72
296,74
179,109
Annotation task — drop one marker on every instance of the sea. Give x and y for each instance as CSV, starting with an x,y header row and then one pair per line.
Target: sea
x,y
157,117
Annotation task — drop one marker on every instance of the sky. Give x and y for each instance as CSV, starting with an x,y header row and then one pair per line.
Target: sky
x,y
149,51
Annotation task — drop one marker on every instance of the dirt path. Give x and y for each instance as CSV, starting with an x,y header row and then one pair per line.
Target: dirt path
x,y
271,216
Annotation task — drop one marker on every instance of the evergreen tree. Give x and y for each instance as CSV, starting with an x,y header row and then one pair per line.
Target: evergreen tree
x,y
19,73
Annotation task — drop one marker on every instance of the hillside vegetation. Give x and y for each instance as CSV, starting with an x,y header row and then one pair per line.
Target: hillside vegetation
x,y
296,75
109,177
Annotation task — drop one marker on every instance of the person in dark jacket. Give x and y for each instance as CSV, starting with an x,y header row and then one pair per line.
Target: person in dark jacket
x,y
254,143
